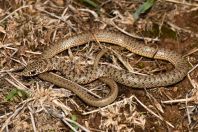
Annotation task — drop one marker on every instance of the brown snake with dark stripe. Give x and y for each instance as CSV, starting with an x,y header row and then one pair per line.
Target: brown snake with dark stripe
x,y
121,76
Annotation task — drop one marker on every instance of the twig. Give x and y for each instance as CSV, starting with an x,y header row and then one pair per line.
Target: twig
x,y
69,125
11,48
193,98
32,119
53,15
106,107
26,6
188,75
66,120
31,52
15,51
181,29
54,34
62,106
90,11
161,24
3,116
14,84
77,124
111,22
149,110
71,100
18,61
177,101
98,88
191,52
127,65
16,112
183,3
11,70
135,36
187,111
57,17
6,45
18,84
154,101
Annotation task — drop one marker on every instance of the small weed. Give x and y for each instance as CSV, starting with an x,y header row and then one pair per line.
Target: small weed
x,y
74,118
90,3
16,93
143,8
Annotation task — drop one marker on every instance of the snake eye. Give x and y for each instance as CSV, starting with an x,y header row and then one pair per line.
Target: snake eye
x,y
32,72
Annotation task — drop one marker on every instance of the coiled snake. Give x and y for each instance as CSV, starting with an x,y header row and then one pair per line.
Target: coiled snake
x,y
124,77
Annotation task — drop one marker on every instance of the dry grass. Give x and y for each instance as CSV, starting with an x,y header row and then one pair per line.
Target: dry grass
x,y
28,27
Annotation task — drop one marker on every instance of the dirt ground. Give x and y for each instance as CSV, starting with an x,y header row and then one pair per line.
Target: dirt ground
x,y
31,104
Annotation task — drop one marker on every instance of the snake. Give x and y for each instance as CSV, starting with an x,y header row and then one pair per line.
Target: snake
x,y
49,62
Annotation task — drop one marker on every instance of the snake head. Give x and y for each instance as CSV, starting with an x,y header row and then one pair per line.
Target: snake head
x,y
37,67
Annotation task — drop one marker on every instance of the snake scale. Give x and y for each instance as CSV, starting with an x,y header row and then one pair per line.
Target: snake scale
x,y
48,62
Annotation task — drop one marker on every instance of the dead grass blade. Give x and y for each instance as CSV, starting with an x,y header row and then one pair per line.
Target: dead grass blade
x,y
9,15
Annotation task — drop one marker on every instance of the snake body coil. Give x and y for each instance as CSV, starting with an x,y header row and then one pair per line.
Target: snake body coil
x,y
120,76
